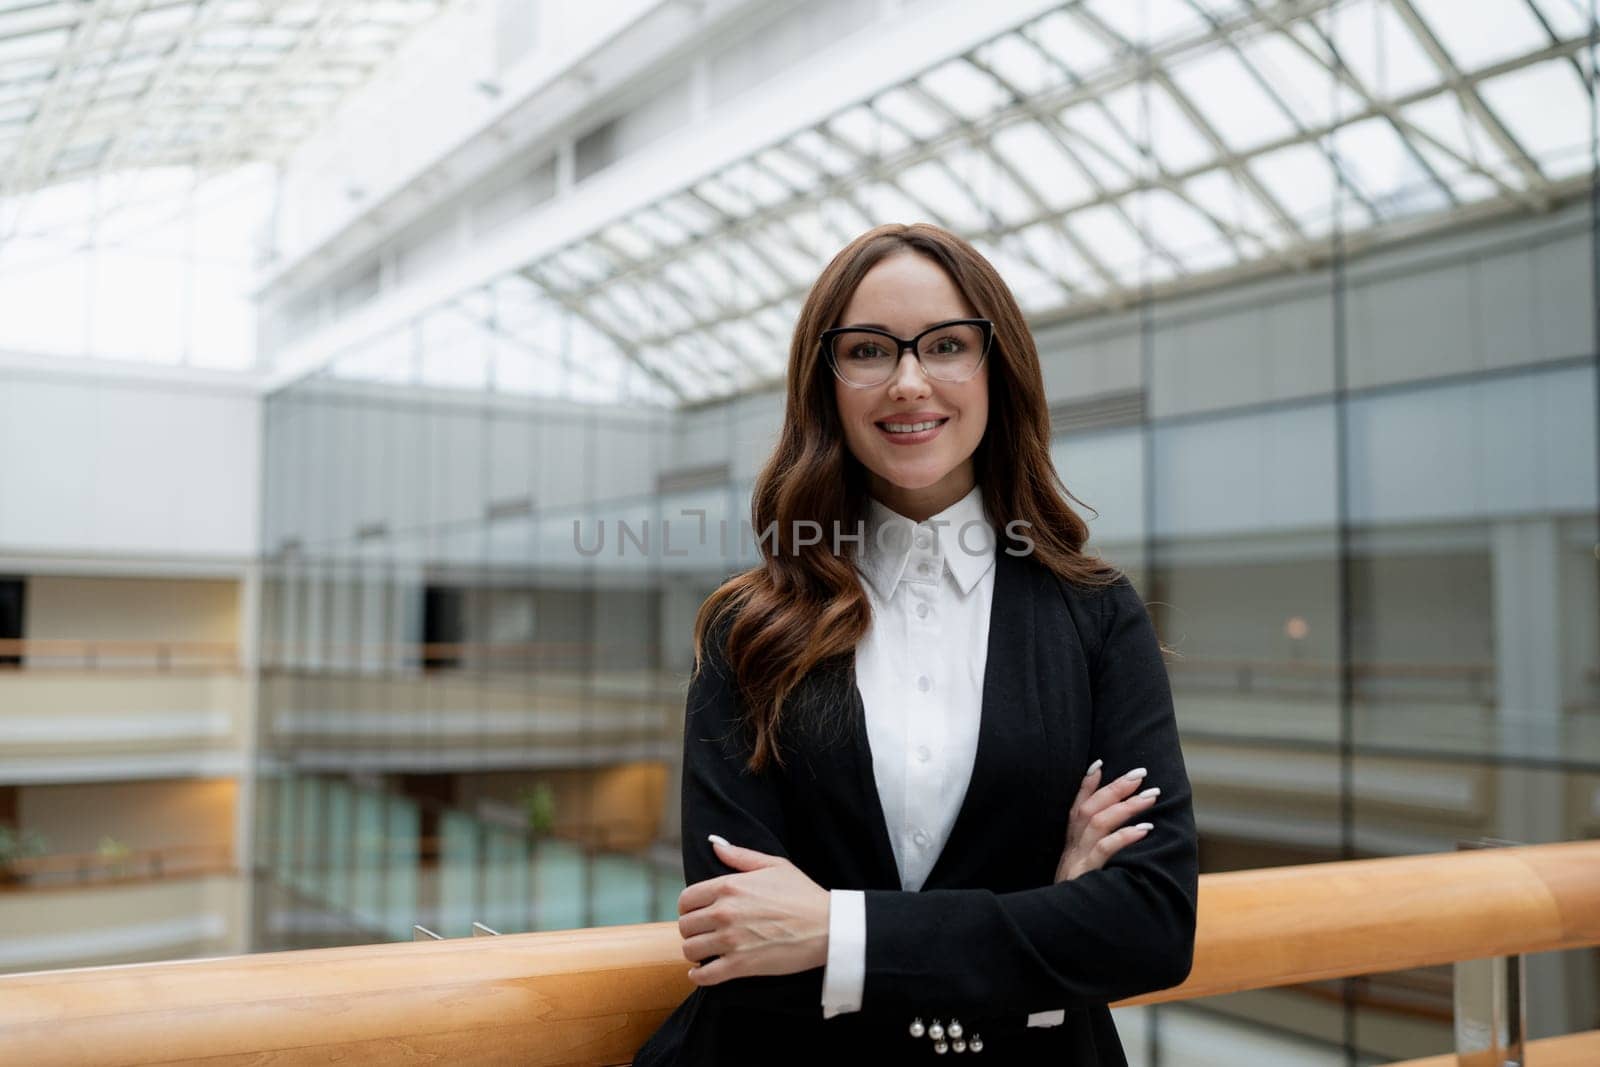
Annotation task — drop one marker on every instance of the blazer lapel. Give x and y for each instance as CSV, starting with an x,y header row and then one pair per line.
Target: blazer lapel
x,y
885,872
1008,718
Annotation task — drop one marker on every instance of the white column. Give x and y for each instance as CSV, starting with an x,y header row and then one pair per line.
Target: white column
x,y
1529,803
244,830
1527,640
680,599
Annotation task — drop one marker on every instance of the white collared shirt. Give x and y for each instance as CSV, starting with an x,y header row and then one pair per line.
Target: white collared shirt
x,y
920,670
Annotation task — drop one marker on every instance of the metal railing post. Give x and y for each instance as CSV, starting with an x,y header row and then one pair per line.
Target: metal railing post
x,y
1490,1001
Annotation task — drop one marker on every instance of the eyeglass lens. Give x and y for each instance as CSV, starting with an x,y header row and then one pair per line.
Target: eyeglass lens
x,y
950,353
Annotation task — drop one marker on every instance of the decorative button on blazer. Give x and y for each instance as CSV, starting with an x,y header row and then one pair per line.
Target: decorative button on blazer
x,y
1072,675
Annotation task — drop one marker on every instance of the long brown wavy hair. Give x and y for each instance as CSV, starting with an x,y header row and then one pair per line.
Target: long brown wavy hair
x,y
803,606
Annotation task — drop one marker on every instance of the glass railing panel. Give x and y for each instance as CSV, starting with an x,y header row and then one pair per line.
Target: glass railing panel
x,y
403,824
459,873
507,881
305,874
337,833
283,839
367,877
560,878
623,890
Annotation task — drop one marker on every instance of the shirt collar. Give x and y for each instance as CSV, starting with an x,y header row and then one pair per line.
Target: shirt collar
x,y
884,557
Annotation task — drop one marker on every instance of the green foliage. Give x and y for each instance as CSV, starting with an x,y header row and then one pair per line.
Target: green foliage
x,y
540,805
115,854
17,844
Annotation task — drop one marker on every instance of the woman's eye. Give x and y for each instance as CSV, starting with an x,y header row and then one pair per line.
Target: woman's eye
x,y
866,352
946,346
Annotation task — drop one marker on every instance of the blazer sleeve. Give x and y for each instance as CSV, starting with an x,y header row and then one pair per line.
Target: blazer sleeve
x,y
1108,934
721,796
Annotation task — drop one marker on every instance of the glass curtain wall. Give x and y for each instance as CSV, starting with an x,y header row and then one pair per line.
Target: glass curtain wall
x,y
1360,503
465,718
1356,484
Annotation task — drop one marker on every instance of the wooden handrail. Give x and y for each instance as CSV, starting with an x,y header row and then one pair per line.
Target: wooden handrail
x,y
457,649
1286,925
1568,1050
87,868
89,652
80,654
1328,668
163,656
593,996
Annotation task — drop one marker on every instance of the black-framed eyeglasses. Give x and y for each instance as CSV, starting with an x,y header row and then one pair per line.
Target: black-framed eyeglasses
x,y
864,356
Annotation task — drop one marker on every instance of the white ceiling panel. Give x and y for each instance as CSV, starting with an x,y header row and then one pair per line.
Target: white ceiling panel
x,y
1117,144
203,83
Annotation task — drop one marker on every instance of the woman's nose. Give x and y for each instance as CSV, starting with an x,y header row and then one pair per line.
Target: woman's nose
x,y
908,377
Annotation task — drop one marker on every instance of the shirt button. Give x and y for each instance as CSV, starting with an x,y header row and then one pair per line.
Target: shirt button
x,y
924,568
922,540
922,611
924,684
921,838
923,754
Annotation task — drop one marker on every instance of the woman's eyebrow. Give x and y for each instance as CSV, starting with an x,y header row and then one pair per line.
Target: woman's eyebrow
x,y
881,326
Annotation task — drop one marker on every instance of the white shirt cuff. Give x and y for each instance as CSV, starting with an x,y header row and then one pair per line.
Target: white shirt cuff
x,y
846,970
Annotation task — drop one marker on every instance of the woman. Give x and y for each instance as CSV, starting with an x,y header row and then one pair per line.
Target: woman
x,y
891,723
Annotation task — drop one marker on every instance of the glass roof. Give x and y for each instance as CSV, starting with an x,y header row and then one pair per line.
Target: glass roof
x,y
92,86
1108,148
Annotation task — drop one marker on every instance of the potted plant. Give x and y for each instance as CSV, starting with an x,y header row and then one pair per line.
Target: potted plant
x,y
540,805
18,845
115,856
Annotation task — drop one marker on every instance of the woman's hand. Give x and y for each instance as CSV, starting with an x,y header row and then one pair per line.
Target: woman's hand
x,y
1092,834
766,918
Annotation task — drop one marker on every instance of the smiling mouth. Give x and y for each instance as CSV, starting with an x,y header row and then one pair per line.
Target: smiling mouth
x,y
911,427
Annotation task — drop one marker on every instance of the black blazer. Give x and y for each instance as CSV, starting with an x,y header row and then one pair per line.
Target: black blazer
x,y
1071,676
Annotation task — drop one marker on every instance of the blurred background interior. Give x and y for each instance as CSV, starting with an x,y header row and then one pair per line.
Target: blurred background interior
x,y
324,324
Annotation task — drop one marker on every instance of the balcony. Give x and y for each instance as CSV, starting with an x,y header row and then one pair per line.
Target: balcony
x,y
444,707
103,710
66,910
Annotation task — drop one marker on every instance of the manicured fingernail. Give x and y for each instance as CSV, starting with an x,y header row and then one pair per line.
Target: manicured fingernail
x,y
1153,791
1095,766
718,839
1145,826
1137,772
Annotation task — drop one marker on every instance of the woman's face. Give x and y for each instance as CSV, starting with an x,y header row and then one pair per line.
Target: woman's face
x,y
917,475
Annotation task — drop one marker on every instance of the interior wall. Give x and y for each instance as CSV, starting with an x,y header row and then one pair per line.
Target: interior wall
x,y
1415,608
159,814
132,609
1436,609
1240,611
124,463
